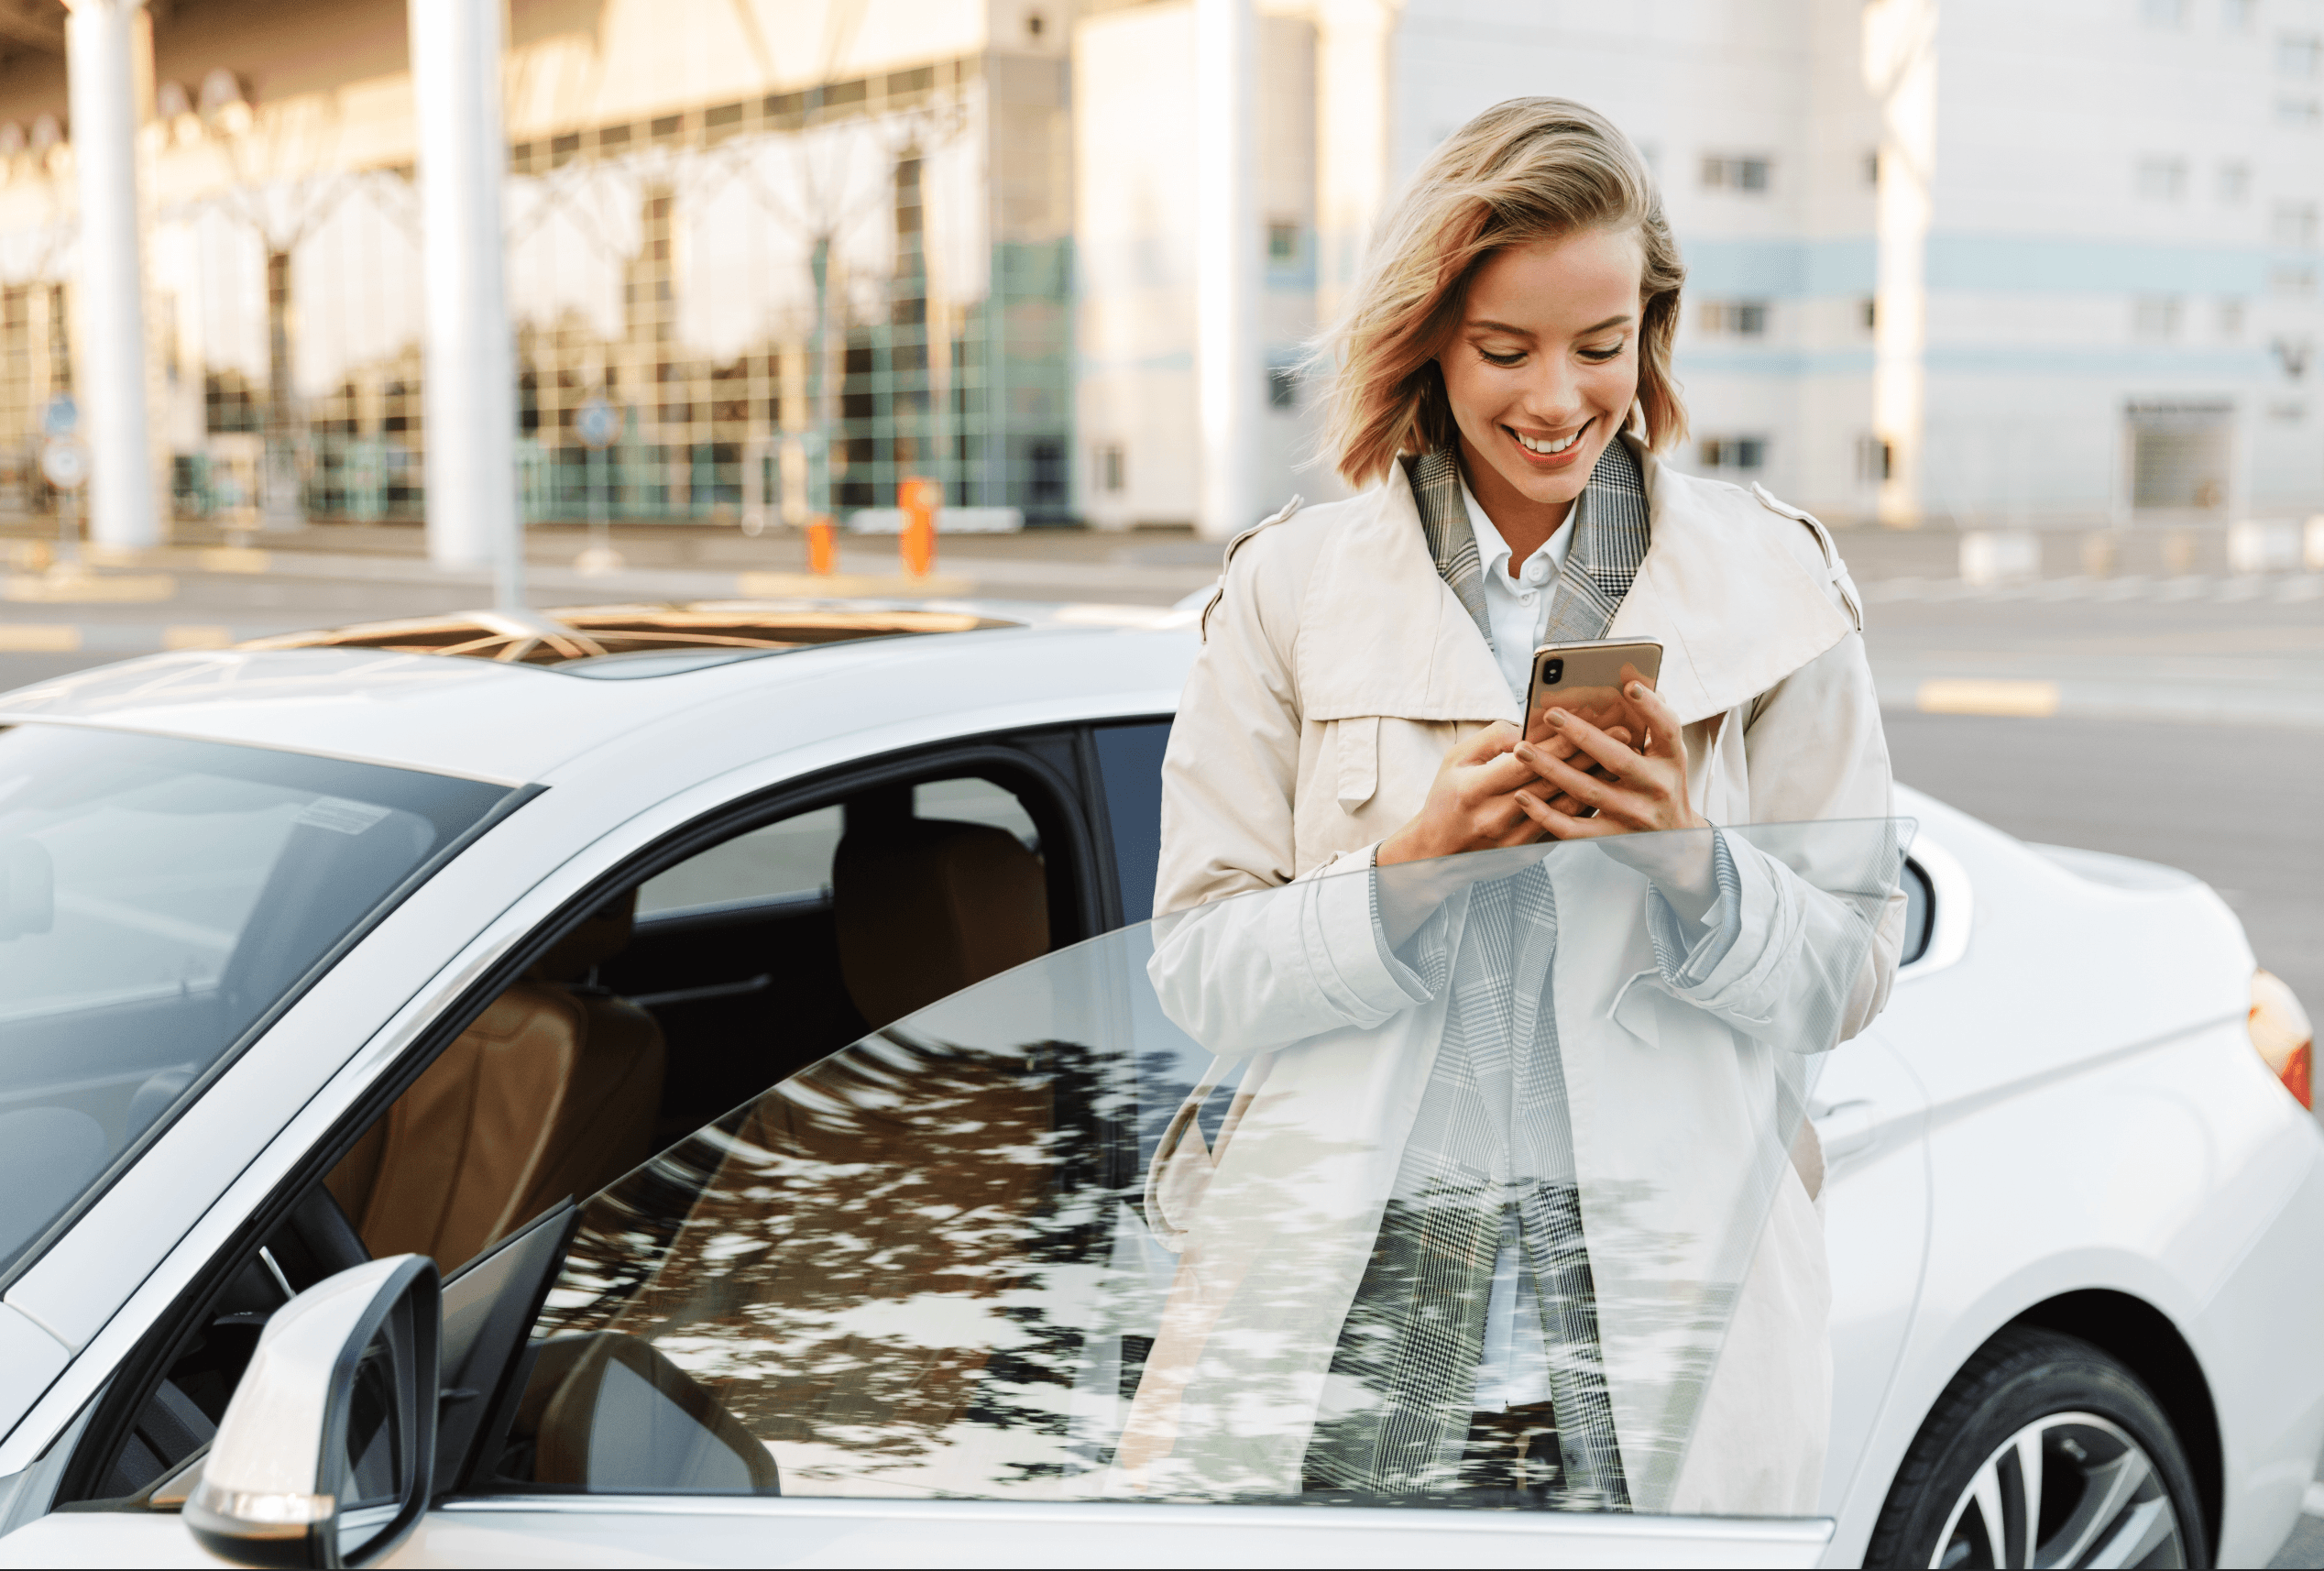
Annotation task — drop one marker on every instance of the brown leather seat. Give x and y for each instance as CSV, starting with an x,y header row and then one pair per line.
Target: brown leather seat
x,y
926,906
551,1092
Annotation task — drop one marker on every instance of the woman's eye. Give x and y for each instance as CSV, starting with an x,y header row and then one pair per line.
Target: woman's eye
x,y
1600,356
1511,358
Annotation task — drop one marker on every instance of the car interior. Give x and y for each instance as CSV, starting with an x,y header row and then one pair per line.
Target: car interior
x,y
680,998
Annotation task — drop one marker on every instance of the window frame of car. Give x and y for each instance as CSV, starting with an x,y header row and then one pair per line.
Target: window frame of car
x,y
1055,762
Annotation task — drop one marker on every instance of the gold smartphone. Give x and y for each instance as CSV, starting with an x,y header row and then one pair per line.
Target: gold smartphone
x,y
1586,679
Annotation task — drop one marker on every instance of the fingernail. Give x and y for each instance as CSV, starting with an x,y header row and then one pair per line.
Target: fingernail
x,y
1558,716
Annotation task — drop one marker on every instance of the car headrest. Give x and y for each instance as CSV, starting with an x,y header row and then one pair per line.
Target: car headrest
x,y
603,934
927,906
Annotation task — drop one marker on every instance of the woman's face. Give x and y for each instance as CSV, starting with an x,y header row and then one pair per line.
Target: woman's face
x,y
1543,369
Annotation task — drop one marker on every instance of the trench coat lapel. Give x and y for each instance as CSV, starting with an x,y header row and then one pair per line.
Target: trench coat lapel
x,y
1721,589
1374,587
1725,595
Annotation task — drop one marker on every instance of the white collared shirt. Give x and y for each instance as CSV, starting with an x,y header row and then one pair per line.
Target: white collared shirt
x,y
1517,608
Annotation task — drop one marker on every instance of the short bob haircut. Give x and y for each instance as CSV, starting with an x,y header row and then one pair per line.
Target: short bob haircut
x,y
1528,170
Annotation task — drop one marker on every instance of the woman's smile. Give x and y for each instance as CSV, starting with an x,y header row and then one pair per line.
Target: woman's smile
x,y
1549,452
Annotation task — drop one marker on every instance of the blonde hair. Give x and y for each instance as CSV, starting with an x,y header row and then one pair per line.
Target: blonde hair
x,y
1528,170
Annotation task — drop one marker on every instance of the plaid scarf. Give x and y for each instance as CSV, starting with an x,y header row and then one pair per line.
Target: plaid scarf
x,y
1490,1158
1610,535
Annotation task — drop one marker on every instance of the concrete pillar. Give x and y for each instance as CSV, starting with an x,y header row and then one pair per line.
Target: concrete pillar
x,y
1230,364
1350,140
99,43
470,398
1899,70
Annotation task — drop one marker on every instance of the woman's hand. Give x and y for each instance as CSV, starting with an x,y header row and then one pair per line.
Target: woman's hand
x,y
1632,790
1471,803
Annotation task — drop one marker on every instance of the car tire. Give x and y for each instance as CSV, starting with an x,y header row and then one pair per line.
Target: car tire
x,y
2114,1488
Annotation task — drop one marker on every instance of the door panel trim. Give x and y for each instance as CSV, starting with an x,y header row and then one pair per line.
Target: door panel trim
x,y
1080,1532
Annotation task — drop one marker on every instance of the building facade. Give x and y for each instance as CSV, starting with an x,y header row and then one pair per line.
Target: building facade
x,y
801,250
1948,260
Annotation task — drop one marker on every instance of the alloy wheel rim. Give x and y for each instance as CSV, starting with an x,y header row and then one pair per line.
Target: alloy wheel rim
x,y
2069,1490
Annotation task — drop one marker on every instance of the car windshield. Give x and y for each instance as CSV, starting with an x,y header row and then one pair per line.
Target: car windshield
x,y
1421,1186
159,899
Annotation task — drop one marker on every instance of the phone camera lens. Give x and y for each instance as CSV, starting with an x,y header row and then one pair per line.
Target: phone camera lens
x,y
1552,671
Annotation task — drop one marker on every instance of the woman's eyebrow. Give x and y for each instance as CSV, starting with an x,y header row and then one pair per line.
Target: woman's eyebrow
x,y
1487,326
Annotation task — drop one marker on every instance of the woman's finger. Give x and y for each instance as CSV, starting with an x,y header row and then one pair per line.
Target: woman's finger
x,y
1583,785
1492,742
1499,776
1619,758
1563,825
1662,721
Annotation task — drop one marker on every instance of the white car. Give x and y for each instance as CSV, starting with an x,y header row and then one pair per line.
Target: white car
x,y
324,961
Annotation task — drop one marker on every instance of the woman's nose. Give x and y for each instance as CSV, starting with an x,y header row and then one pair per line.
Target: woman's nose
x,y
1552,394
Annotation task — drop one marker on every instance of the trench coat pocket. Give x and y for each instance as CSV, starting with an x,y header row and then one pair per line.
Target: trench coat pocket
x,y
1355,753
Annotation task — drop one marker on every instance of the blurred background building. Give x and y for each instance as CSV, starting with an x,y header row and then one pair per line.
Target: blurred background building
x,y
1950,260
802,250
1947,259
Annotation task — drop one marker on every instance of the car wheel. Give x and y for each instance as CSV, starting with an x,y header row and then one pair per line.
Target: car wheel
x,y
2044,1451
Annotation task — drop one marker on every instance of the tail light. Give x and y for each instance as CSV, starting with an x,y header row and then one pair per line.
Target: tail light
x,y
2280,1031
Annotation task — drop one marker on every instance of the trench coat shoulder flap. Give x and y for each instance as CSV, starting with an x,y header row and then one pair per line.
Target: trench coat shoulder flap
x,y
1740,590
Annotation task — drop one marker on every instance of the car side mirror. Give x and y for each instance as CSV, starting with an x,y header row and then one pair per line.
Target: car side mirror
x,y
327,1451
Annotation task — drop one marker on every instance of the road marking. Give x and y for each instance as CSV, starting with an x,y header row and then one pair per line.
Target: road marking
x,y
196,635
40,637
2228,591
86,588
788,585
1987,695
233,559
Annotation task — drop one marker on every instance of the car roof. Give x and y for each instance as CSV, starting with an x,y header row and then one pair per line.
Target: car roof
x,y
355,695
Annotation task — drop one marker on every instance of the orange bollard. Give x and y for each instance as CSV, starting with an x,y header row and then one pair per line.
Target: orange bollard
x,y
919,499
822,546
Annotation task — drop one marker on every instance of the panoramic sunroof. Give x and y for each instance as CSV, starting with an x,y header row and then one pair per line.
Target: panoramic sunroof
x,y
620,643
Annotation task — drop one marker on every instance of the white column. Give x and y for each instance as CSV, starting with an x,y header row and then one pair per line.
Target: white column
x,y
470,398
1230,370
100,36
1899,67
1351,142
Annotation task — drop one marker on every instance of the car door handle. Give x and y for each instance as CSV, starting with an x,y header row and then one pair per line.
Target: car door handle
x,y
1846,1127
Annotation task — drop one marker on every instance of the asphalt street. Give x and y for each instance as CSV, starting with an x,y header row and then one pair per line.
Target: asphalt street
x,y
2177,718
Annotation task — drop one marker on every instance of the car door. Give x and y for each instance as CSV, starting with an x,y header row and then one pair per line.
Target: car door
x,y
928,1298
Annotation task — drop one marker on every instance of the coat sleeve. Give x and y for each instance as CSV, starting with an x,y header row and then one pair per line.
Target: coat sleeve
x,y
1814,923
1249,974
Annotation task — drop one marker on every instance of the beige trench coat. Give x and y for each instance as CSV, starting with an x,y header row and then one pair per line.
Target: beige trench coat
x,y
1337,668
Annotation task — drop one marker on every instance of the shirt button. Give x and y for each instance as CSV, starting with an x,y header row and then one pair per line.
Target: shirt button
x,y
1526,598
1536,572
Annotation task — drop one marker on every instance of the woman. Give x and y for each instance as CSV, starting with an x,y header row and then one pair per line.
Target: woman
x,y
1502,385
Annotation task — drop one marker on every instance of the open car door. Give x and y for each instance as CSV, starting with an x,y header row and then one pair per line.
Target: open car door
x,y
1412,1215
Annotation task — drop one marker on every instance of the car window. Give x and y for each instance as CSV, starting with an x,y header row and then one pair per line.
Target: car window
x,y
974,801
1154,1218
791,857
1129,767
1920,913
158,899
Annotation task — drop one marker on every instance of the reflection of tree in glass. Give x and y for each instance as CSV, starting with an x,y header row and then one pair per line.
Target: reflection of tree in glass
x,y
864,1259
